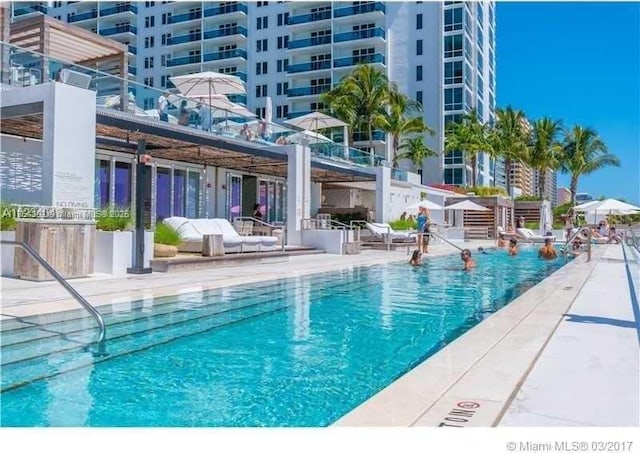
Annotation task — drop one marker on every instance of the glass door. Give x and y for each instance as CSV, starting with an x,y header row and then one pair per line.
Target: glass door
x,y
234,196
263,198
179,192
163,193
193,194
271,204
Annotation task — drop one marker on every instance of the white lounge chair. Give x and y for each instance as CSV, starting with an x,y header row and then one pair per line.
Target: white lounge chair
x,y
382,230
530,236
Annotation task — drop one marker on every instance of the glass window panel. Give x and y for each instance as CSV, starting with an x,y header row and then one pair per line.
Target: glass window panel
x,y
193,194
179,191
103,183
123,184
272,202
163,193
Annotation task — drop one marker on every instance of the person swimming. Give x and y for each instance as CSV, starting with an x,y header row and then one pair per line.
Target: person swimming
x,y
547,251
482,250
513,247
416,258
469,263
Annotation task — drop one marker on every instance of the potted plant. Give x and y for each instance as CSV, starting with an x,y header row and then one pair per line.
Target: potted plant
x,y
7,233
113,240
166,239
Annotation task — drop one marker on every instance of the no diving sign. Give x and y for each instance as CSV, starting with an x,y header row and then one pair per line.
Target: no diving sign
x,y
461,414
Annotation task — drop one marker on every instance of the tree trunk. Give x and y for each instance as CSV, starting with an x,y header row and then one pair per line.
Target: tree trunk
x,y
371,138
542,181
474,167
507,170
395,150
573,188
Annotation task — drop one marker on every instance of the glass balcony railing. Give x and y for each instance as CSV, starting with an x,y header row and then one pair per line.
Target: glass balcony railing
x,y
225,9
119,9
242,75
179,61
339,152
185,17
29,9
221,32
362,59
364,136
311,17
84,16
359,9
119,29
292,115
309,66
399,175
233,53
308,42
133,70
238,98
360,34
308,91
191,37
133,50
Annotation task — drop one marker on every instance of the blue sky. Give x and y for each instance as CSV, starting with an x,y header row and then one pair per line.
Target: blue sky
x,y
579,62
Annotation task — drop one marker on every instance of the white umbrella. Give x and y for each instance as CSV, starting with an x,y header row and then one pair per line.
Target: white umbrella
x,y
466,205
314,121
304,137
424,204
208,83
545,217
610,204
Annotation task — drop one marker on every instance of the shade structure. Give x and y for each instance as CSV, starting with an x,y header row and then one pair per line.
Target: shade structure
x,y
314,121
466,205
546,218
424,204
305,137
208,83
609,205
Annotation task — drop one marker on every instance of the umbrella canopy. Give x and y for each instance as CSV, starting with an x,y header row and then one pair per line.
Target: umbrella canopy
x,y
314,121
424,204
584,206
545,217
268,116
466,205
306,136
208,83
609,205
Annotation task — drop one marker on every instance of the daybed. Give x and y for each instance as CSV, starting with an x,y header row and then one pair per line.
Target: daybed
x,y
382,230
192,232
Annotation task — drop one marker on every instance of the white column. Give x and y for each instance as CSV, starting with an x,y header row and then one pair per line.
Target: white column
x,y
220,193
210,188
298,191
316,198
383,194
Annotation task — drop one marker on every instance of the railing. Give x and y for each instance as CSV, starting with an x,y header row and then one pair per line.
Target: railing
x,y
282,227
431,233
229,31
226,9
364,136
308,91
189,59
309,66
119,9
87,306
132,49
574,236
84,16
308,42
233,53
128,28
193,15
361,59
331,224
191,37
30,9
399,175
360,34
359,9
310,17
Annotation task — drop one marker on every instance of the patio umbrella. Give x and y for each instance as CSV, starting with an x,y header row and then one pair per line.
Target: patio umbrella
x,y
424,204
314,121
305,136
466,205
609,206
545,217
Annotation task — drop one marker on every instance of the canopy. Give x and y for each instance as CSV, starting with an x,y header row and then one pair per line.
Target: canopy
x,y
466,205
208,83
306,136
609,205
314,121
424,204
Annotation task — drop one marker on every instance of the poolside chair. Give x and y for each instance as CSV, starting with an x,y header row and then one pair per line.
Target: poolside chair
x,y
384,230
530,236
505,234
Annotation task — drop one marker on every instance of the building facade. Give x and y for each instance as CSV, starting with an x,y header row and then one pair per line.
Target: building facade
x,y
442,54
563,195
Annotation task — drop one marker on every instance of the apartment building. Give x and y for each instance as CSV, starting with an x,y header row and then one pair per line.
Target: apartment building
x,y
442,54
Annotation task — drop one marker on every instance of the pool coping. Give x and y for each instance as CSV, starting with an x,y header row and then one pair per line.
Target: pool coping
x,y
472,381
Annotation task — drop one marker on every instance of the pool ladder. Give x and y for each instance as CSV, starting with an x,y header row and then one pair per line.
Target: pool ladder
x,y
87,306
574,236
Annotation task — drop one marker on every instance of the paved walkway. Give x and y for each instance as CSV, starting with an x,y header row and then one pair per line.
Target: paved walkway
x,y
589,372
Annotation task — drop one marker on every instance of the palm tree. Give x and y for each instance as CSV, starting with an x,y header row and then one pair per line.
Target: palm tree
x,y
468,135
509,138
359,98
415,150
544,149
584,153
398,120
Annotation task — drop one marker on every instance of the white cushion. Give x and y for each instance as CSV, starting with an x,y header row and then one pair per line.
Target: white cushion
x,y
206,226
225,227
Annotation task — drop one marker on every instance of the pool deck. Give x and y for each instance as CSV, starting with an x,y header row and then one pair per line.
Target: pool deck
x,y
565,353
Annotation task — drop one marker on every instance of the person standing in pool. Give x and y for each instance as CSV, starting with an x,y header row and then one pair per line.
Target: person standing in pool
x,y
513,247
416,258
422,220
547,251
469,263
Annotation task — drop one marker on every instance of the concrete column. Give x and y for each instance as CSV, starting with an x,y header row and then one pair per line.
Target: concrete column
x,y
316,198
210,192
220,193
383,194
298,191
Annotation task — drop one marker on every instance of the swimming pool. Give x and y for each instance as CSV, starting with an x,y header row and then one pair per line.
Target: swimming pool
x,y
297,352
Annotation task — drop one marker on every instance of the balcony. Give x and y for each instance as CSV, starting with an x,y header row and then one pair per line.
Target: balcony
x,y
234,53
133,50
378,136
309,66
80,17
119,29
186,17
308,42
311,17
132,70
127,8
191,37
238,98
360,34
179,61
399,175
226,9
308,91
221,32
362,59
29,10
359,9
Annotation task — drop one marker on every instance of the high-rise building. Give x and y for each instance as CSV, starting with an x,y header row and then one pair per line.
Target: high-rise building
x,y
548,192
563,195
521,179
439,53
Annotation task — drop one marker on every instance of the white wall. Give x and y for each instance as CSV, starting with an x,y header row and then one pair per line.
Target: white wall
x,y
330,241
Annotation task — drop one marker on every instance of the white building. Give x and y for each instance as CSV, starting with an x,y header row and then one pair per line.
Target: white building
x,y
439,53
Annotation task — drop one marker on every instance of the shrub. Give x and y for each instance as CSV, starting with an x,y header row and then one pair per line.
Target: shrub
x,y
166,235
532,225
348,217
528,198
113,219
403,224
483,191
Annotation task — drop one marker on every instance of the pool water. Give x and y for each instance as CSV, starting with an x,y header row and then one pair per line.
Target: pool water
x,y
296,352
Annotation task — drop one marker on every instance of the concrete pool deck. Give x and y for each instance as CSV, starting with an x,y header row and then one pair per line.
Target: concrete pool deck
x,y
555,356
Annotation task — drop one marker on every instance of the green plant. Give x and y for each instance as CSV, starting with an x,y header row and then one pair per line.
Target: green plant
x,y
403,224
483,191
532,225
469,135
166,235
528,198
113,219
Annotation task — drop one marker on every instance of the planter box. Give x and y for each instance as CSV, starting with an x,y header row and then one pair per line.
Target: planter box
x,y
8,253
114,251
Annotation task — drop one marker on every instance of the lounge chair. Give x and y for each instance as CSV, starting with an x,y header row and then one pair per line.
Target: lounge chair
x,y
530,236
382,230
506,234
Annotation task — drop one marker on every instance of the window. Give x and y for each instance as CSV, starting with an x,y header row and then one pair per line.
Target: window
x,y
419,21
480,37
149,21
282,65
166,17
163,61
260,4
261,68
419,47
261,45
480,108
261,91
419,97
453,176
453,72
149,41
454,157
480,63
149,4
480,13
163,80
283,18
148,62
317,106
455,118
419,73
165,37
57,4
453,19
480,87
260,111
282,88
453,46
283,42
148,81
282,111
262,22
453,99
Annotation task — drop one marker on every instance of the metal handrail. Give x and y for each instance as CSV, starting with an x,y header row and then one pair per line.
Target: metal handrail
x,y
269,225
87,306
445,240
574,235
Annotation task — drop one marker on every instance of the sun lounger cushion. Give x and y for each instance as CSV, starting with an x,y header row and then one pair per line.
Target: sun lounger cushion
x,y
382,229
531,236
